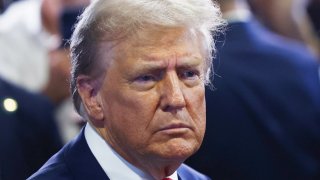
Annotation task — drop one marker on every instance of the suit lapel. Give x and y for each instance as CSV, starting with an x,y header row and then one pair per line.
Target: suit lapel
x,y
82,163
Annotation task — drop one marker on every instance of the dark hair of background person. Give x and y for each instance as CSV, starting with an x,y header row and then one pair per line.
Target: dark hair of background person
x,y
67,21
1,6
5,3
314,13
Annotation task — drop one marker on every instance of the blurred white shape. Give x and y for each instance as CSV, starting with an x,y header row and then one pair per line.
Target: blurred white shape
x,y
10,105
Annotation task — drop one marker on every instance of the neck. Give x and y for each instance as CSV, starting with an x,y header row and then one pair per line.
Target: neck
x,y
161,168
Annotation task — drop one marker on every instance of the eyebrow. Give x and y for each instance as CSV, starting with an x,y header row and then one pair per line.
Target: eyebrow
x,y
157,66
146,66
194,60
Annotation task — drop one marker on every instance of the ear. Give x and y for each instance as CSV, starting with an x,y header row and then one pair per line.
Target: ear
x,y
88,89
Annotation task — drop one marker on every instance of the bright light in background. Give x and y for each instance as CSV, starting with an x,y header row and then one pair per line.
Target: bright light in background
x,y
10,105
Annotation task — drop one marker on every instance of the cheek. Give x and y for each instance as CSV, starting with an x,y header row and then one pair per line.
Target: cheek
x,y
196,106
195,99
140,106
126,123
133,111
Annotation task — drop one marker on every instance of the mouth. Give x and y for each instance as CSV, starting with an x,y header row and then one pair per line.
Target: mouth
x,y
175,128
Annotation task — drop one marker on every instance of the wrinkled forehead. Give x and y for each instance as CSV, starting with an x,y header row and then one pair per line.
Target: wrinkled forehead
x,y
153,35
157,41
154,42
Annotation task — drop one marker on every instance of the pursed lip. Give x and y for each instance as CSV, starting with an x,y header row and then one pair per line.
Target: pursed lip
x,y
173,126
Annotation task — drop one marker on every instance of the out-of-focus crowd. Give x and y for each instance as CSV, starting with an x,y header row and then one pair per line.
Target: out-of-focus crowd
x,y
263,117
36,113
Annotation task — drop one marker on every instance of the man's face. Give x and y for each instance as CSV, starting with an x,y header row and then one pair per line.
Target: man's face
x,y
153,96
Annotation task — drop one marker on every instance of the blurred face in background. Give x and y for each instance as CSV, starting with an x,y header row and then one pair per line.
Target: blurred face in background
x,y
58,18
50,10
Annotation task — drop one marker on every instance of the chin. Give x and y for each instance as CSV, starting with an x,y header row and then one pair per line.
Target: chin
x,y
179,149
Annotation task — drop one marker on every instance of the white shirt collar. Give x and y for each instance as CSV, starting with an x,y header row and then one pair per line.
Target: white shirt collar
x,y
111,162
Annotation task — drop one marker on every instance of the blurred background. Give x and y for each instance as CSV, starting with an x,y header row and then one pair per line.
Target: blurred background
x,y
263,109
36,114
295,19
276,67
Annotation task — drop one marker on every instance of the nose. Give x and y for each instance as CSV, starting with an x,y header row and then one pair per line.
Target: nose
x,y
172,97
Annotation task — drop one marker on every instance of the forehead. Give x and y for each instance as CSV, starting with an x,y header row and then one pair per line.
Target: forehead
x,y
158,36
160,43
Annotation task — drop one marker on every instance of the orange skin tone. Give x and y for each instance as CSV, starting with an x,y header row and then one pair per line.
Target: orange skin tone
x,y
150,106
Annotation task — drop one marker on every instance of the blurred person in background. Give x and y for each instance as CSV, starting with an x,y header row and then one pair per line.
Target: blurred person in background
x,y
33,55
27,35
28,132
34,70
263,119
289,18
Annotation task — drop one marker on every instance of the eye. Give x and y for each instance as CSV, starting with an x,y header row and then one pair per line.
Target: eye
x,y
189,74
144,82
145,78
191,77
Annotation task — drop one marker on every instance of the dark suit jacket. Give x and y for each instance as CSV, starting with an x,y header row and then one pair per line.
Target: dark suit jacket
x,y
76,161
263,119
28,136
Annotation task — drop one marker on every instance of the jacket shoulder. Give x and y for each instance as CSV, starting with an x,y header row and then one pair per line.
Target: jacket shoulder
x,y
73,161
54,168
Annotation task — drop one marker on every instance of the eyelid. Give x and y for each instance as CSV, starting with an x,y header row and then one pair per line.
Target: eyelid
x,y
155,75
140,77
193,70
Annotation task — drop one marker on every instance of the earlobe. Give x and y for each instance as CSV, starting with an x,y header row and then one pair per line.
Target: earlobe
x,y
88,91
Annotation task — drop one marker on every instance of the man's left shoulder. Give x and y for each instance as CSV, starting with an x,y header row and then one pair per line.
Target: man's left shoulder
x,y
185,172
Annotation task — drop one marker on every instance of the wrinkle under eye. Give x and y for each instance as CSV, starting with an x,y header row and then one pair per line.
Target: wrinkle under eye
x,y
144,82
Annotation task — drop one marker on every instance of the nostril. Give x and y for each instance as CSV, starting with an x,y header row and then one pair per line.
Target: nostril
x,y
173,104
171,109
166,109
173,101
